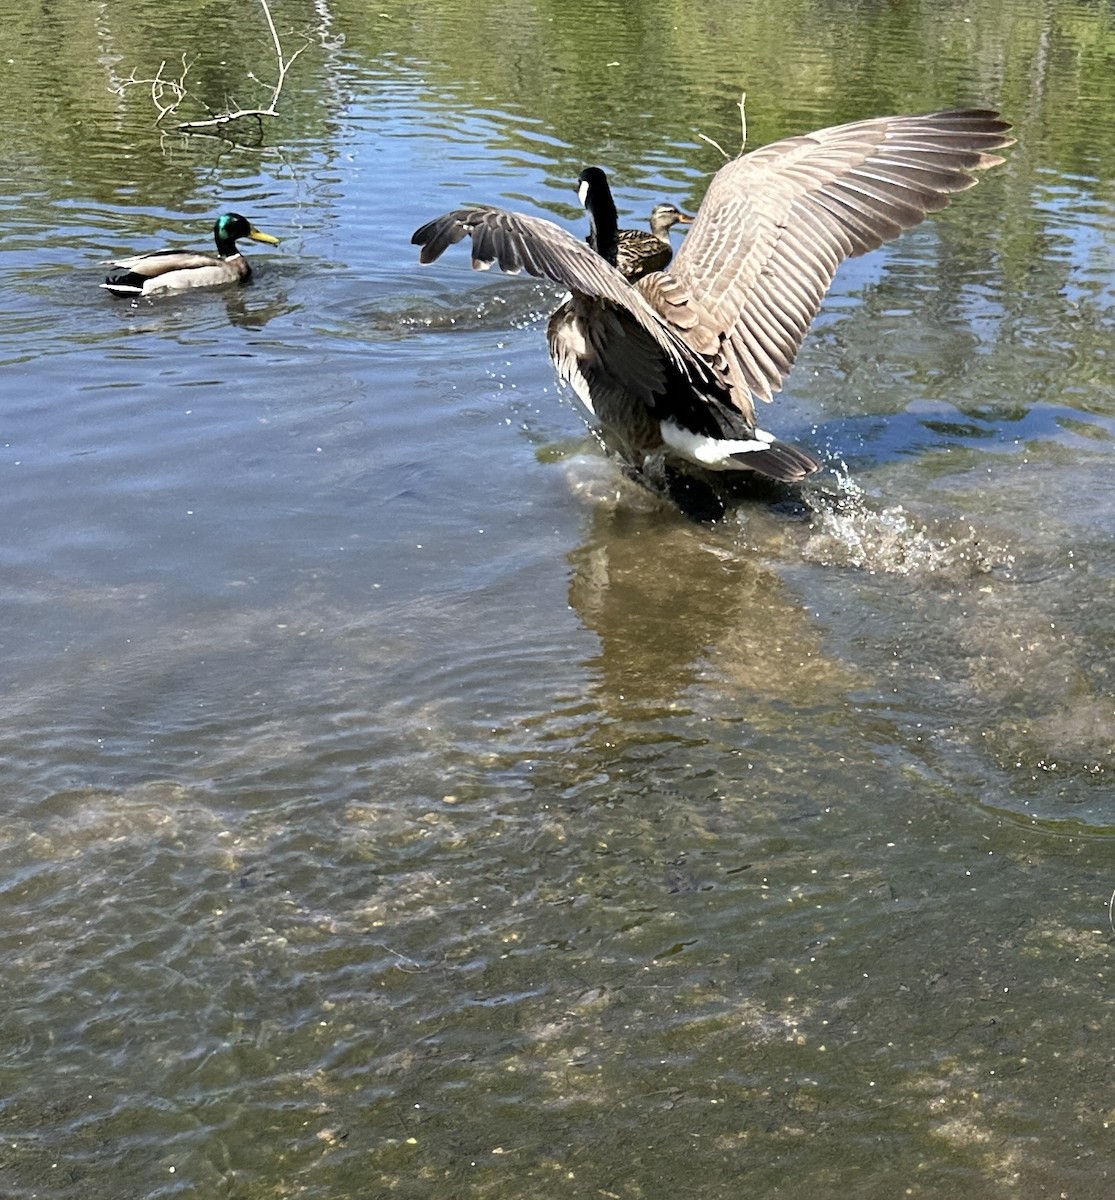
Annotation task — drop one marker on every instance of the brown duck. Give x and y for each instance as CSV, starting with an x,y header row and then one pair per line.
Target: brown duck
x,y
638,252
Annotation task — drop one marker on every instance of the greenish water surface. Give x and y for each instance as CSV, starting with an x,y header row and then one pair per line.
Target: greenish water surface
x,y
399,803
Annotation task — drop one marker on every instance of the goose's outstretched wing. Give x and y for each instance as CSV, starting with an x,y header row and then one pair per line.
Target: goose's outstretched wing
x,y
776,223
517,242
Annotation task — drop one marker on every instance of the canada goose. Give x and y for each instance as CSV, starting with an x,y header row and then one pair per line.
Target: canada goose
x,y
176,270
640,252
671,365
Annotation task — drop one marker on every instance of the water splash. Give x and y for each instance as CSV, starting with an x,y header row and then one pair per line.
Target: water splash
x,y
849,528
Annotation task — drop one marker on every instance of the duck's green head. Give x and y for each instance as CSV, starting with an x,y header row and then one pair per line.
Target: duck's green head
x,y
231,227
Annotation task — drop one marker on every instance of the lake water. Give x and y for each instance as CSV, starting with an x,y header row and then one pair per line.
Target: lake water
x,y
397,802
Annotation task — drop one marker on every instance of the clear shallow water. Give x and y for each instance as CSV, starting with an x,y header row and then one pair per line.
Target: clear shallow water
x,y
397,802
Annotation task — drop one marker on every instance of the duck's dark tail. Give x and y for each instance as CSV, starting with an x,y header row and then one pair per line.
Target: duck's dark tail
x,y
122,282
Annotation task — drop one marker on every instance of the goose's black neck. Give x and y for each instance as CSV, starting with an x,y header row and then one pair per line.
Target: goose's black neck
x,y
603,220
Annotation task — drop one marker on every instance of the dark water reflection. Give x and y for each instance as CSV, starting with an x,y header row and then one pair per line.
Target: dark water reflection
x,y
399,802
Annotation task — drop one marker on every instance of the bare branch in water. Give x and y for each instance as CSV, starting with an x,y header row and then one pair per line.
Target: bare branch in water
x,y
283,65
167,93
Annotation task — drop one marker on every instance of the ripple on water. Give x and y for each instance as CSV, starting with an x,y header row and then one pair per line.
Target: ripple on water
x,y
492,307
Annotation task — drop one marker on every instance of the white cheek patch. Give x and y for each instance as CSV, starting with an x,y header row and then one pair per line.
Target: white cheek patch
x,y
582,193
710,451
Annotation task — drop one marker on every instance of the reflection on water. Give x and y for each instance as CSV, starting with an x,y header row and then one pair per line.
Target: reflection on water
x,y
714,612
181,314
401,802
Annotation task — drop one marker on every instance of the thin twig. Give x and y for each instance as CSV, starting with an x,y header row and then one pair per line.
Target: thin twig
x,y
706,138
159,87
275,39
743,140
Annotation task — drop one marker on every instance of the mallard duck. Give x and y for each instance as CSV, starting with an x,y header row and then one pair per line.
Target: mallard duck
x,y
176,270
639,252
672,364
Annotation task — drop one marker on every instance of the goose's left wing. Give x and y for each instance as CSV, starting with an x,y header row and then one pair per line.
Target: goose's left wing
x,y
776,223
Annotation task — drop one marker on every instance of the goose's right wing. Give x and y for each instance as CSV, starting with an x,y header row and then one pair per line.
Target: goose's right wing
x,y
517,242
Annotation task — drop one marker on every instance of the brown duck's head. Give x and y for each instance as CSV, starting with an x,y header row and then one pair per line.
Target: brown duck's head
x,y
663,217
